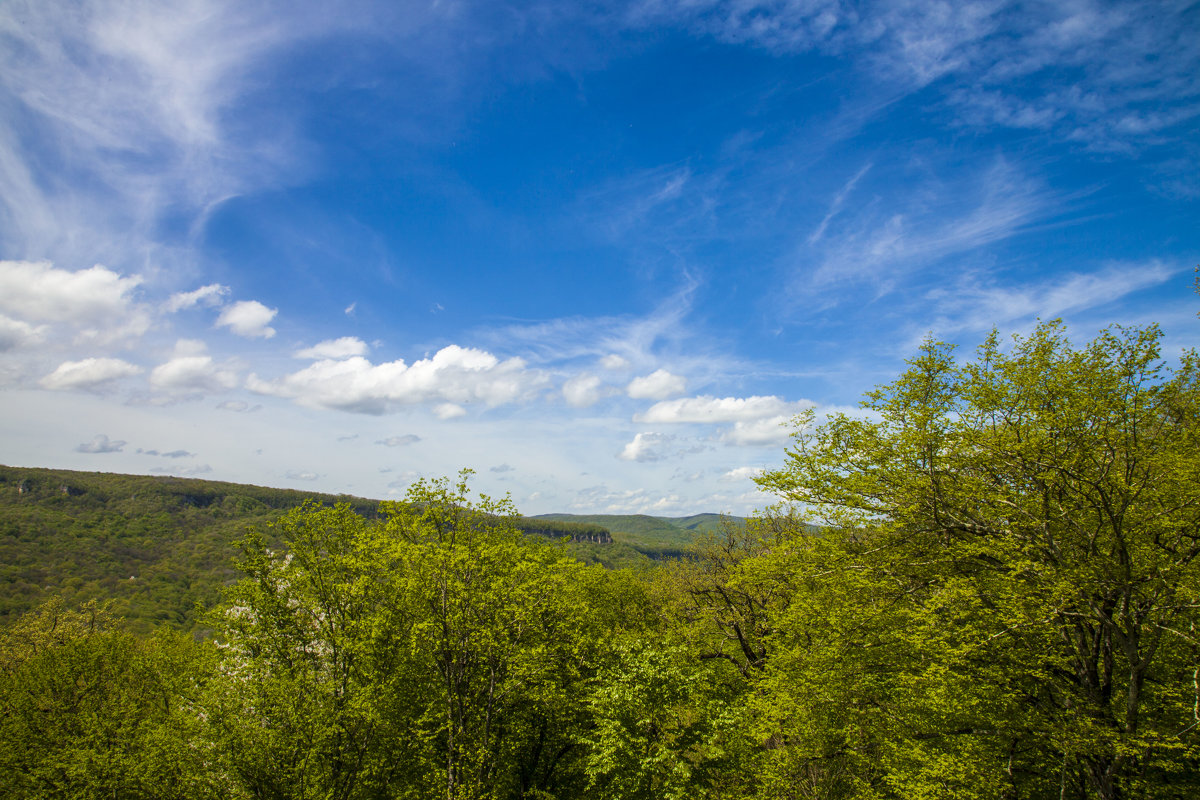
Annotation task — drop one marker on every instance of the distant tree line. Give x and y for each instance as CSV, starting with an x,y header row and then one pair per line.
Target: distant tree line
x,y
158,546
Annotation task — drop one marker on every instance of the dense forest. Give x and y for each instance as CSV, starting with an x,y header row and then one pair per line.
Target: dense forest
x,y
159,548
983,586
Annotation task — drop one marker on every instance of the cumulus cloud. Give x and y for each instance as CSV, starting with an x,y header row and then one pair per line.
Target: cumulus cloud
x,y
345,347
100,444
658,385
14,333
706,408
90,373
248,318
449,411
582,391
36,290
192,371
648,447
759,432
452,376
210,295
96,301
502,468
614,362
399,441
741,474
757,420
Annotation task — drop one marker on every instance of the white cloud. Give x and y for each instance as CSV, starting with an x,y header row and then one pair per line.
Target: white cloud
x,y
248,318
614,362
344,347
37,291
881,244
757,420
999,62
124,107
977,304
658,385
741,474
399,441
582,390
90,373
191,371
648,446
601,499
100,444
97,302
453,375
449,411
836,206
349,310
759,432
14,333
298,475
209,295
708,409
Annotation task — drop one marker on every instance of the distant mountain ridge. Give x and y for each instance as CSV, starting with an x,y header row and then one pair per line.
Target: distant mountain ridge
x,y
655,536
160,545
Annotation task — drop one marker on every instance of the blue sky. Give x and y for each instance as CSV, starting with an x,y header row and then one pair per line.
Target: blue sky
x,y
598,252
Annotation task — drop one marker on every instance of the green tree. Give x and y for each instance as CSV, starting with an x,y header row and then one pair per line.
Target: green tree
x,y
90,711
435,653
1001,601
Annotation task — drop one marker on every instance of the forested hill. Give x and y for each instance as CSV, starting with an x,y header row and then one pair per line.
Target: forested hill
x,y
159,546
655,536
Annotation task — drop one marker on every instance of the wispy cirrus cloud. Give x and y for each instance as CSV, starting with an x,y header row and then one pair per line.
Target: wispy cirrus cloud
x,y
345,347
978,302
209,295
915,231
148,137
1091,69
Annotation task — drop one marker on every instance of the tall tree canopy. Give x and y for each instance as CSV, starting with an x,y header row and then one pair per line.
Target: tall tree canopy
x,y
1002,599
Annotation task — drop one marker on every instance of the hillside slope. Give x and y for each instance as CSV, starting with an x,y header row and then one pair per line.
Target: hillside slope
x,y
158,546
655,536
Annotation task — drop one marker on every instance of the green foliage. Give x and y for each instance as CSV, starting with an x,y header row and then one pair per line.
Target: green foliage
x,y
656,537
158,547
1002,600
437,653
89,711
